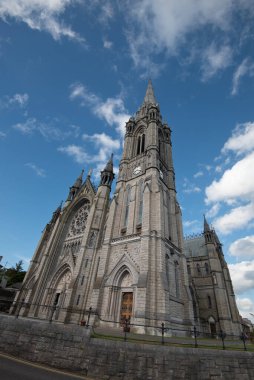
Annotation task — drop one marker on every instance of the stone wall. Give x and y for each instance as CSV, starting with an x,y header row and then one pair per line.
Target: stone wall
x,y
70,347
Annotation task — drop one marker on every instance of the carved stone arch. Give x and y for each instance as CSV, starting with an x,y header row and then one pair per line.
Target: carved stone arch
x,y
31,282
77,204
75,219
122,281
123,265
212,325
139,129
121,274
59,275
139,141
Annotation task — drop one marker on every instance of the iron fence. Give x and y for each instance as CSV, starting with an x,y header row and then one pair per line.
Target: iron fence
x,y
125,329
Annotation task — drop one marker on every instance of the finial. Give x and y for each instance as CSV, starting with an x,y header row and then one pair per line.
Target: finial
x,y
79,180
206,225
90,173
109,166
149,96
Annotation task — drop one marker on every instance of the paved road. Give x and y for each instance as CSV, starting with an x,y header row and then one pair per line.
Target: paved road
x,y
17,369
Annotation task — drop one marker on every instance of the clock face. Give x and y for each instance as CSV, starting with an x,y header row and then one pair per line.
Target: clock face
x,y
137,170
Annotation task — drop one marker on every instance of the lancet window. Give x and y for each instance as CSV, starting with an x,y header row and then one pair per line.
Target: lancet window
x,y
141,144
140,202
127,205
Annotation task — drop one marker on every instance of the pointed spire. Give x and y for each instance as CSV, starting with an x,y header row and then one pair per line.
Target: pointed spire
x,y
206,225
79,180
149,96
109,166
56,213
107,175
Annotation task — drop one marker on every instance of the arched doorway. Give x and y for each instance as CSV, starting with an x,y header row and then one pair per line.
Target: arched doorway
x,y
59,296
212,326
126,297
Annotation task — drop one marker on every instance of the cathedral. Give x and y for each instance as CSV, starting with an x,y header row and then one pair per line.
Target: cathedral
x,y
124,257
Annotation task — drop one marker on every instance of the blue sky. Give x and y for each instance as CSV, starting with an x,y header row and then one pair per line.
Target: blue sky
x,y
71,74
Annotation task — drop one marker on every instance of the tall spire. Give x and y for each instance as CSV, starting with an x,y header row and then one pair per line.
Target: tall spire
x,y
149,96
206,225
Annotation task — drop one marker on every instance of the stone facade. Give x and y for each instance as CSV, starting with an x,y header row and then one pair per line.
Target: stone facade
x,y
125,257
211,287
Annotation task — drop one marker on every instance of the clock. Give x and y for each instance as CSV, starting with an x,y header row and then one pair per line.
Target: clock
x,y
137,170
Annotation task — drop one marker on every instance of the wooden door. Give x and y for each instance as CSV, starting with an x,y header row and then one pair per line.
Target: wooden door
x,y
213,330
126,306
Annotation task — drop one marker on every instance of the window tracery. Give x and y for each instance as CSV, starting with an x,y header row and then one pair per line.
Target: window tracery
x,y
78,223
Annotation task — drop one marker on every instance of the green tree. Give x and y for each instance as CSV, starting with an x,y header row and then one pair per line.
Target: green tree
x,y
15,273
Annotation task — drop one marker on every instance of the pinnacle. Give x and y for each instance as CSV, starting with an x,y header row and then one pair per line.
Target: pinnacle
x,y
79,180
109,166
206,225
149,96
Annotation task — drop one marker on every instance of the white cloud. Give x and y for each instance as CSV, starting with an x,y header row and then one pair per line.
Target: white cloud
x,y
76,152
190,223
105,144
2,135
42,15
237,218
19,100
166,24
112,110
243,248
236,186
27,127
48,130
161,26
215,59
246,68
107,44
189,187
242,275
39,171
246,307
198,174
213,210
242,139
235,182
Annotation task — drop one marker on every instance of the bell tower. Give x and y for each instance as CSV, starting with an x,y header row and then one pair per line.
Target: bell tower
x,y
142,268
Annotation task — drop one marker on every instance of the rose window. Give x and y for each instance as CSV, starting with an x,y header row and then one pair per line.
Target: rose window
x,y
78,223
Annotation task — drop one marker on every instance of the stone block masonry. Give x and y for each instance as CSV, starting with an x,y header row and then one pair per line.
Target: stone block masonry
x,y
71,347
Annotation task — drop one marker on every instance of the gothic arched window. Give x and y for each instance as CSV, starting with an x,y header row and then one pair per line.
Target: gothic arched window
x,y
209,302
127,205
140,202
141,144
78,222
177,278
167,270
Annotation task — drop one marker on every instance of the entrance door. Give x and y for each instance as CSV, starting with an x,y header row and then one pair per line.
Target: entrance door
x,y
126,306
213,330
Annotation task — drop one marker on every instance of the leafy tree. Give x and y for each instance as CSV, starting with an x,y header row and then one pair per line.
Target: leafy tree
x,y
15,274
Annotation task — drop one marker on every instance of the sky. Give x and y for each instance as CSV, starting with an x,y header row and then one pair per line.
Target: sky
x,y
71,74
